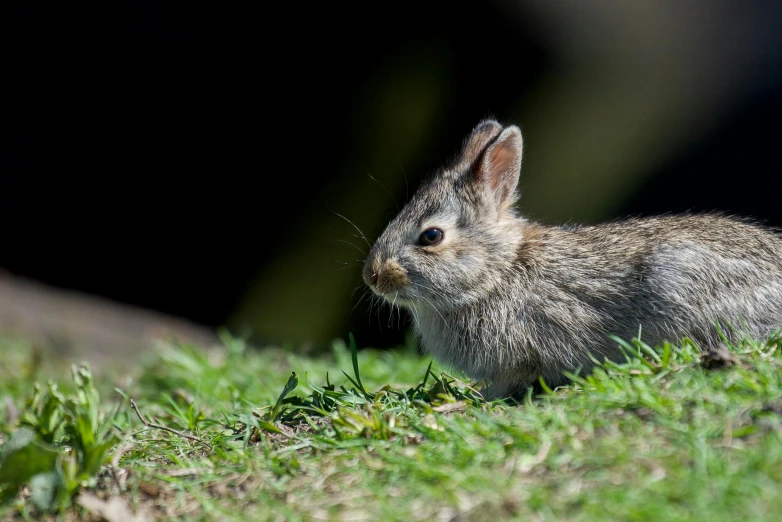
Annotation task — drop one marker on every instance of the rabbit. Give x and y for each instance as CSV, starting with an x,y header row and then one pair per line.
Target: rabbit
x,y
507,300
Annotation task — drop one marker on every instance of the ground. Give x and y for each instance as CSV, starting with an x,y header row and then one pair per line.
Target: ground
x,y
230,433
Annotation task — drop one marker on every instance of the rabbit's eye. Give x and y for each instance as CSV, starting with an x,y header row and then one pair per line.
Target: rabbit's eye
x,y
430,236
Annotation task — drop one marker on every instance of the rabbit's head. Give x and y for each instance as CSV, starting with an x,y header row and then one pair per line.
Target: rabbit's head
x,y
448,245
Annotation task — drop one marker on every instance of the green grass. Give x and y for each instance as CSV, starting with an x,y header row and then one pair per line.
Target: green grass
x,y
656,438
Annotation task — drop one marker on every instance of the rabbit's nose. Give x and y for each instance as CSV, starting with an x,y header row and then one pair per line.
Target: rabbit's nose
x,y
371,273
388,276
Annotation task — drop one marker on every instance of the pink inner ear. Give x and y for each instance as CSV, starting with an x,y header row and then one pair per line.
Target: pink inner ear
x,y
500,165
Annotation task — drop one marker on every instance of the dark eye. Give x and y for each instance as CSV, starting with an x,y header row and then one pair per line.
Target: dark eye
x,y
430,236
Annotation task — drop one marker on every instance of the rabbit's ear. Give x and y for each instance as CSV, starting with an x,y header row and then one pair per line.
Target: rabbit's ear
x,y
483,134
499,168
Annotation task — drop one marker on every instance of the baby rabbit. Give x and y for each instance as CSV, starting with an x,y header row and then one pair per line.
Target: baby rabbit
x,y
508,300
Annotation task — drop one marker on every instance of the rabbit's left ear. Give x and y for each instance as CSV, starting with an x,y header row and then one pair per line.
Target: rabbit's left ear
x,y
500,167
480,137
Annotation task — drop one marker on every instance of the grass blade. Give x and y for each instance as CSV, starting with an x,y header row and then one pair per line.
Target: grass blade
x,y
354,357
293,381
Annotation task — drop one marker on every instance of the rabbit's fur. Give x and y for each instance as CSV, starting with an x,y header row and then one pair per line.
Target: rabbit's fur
x,y
508,300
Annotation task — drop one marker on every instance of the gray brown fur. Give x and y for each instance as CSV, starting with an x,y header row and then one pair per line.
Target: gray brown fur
x,y
508,300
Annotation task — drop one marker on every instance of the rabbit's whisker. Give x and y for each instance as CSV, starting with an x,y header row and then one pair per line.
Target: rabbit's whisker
x,y
352,224
386,189
361,298
353,245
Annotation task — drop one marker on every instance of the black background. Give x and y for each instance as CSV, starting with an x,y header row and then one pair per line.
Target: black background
x,y
160,156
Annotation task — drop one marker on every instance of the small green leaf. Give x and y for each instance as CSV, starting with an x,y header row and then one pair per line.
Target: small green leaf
x,y
355,384
426,375
667,352
354,357
24,456
744,431
268,426
648,350
96,456
43,489
545,386
293,382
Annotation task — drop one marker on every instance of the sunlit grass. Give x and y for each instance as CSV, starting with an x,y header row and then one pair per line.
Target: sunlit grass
x,y
232,434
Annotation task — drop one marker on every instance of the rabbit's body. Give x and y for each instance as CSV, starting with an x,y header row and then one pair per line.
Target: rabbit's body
x,y
507,300
568,290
